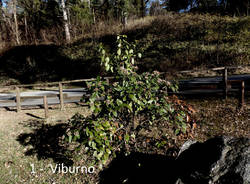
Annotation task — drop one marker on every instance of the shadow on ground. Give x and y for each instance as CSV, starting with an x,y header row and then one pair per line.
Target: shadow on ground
x,y
154,168
139,168
192,166
46,141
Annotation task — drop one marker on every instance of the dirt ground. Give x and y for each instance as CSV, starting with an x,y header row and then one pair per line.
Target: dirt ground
x,y
10,115
220,117
29,142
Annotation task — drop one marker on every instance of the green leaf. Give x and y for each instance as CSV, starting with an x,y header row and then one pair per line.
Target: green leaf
x,y
107,59
177,131
126,138
93,145
92,108
70,138
119,102
107,68
133,61
100,155
184,127
124,98
132,97
139,55
150,101
119,52
115,113
130,106
87,131
133,136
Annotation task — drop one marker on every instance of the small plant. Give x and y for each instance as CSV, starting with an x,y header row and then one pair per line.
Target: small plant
x,y
160,144
131,101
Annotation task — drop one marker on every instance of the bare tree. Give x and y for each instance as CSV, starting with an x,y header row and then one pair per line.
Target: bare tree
x,y
16,22
1,10
87,1
66,24
143,7
1,29
91,10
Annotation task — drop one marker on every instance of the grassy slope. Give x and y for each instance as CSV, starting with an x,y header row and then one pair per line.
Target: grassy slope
x,y
181,41
170,42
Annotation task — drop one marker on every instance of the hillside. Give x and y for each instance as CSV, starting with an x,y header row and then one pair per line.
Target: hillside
x,y
168,43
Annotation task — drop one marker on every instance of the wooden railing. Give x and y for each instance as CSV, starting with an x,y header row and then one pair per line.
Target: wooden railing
x,y
45,100
226,84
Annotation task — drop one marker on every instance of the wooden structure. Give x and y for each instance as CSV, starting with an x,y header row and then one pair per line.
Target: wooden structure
x,y
61,96
225,83
46,108
18,99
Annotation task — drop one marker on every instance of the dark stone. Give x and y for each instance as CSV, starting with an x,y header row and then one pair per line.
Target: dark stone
x,y
221,160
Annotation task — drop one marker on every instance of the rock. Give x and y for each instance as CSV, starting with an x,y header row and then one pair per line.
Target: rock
x,y
220,160
186,145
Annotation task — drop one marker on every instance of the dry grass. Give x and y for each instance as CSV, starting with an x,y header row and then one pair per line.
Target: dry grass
x,y
15,159
217,117
114,27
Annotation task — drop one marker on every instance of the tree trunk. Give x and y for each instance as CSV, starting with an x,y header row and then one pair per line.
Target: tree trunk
x,y
89,5
1,27
16,23
26,28
248,6
66,24
142,8
93,12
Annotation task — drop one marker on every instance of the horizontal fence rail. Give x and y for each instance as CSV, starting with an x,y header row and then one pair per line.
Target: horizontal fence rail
x,y
62,96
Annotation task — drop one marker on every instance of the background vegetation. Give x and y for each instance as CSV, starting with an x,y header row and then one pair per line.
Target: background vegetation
x,y
169,42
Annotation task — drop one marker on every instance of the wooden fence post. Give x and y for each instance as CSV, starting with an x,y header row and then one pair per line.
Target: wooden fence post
x,y
225,82
61,96
242,95
45,105
18,99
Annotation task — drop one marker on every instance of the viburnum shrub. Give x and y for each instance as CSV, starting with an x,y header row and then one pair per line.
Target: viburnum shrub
x,y
119,107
